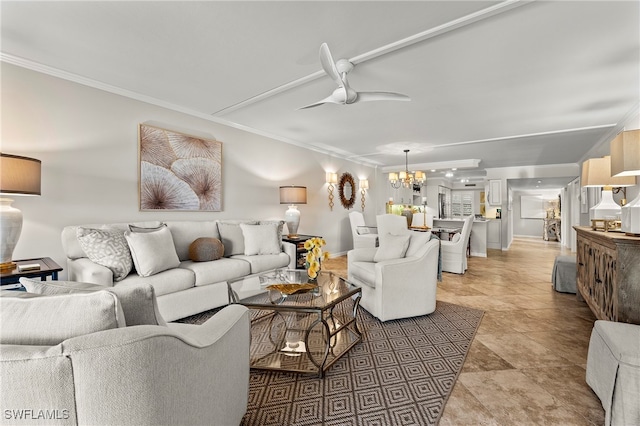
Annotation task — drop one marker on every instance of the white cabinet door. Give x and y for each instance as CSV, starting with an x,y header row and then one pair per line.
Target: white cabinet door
x,y
495,192
494,231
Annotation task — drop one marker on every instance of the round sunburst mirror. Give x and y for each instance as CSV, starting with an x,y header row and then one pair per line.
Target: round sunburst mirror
x,y
346,190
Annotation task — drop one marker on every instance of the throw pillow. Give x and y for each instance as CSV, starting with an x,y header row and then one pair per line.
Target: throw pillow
x,y
106,247
260,239
417,241
232,237
49,320
206,249
278,223
456,238
142,229
139,304
394,247
152,252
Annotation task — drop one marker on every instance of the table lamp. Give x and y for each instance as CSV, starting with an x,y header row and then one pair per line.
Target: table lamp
x,y
293,195
18,176
625,161
596,172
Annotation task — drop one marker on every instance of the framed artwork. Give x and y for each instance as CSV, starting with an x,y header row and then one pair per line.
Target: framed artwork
x,y
179,172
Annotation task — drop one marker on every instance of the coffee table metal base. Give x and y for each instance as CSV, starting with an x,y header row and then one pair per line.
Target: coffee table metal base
x,y
303,340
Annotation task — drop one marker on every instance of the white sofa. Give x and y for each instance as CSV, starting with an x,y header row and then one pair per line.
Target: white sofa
x,y
107,358
188,287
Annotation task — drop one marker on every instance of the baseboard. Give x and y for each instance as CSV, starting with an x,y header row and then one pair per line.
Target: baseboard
x,y
473,254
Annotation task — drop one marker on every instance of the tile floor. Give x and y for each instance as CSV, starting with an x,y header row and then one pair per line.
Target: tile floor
x,y
526,365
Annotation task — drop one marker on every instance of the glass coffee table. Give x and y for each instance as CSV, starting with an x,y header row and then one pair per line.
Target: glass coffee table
x,y
298,326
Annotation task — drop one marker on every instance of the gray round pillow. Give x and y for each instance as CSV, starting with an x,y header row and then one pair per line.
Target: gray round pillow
x,y
206,249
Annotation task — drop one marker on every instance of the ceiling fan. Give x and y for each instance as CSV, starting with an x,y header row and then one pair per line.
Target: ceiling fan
x,y
344,94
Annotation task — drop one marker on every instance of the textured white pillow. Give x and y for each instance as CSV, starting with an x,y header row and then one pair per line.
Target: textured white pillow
x,y
106,247
394,247
260,239
417,241
152,252
456,238
49,320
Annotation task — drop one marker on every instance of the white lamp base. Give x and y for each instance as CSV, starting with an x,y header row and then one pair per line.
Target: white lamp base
x,y
10,228
631,217
292,219
606,208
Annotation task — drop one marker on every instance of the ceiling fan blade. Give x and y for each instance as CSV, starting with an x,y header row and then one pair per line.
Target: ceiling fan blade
x,y
329,65
329,100
339,96
381,96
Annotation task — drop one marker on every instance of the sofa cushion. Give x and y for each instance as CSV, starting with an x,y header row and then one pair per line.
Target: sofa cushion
x,y
49,320
152,252
264,262
206,249
139,304
165,282
261,239
106,247
216,271
392,247
231,236
364,272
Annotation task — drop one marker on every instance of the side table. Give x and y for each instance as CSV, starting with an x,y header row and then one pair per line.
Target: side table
x,y
48,268
301,252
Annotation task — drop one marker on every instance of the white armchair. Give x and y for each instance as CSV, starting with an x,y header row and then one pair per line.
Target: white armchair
x,y
454,252
104,357
396,285
360,238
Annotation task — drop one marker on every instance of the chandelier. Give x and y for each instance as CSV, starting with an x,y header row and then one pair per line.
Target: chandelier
x,y
406,179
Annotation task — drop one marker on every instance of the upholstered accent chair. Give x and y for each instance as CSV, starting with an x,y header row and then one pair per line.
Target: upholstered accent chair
x,y
399,278
454,252
363,236
102,357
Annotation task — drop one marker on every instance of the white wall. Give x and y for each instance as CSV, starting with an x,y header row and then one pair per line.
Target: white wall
x,y
529,227
88,142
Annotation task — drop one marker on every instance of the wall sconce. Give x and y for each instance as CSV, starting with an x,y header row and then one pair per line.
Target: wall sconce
x,y
18,176
332,178
364,185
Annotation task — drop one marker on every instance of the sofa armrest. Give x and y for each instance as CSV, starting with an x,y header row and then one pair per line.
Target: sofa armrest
x,y
290,249
86,271
214,328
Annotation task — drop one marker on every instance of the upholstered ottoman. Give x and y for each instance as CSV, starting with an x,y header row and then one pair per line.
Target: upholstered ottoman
x,y
613,370
563,276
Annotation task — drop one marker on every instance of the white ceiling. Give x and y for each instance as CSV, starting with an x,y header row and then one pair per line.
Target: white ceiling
x,y
510,83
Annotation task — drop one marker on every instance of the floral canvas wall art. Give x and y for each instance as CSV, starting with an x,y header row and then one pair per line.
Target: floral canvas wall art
x,y
178,171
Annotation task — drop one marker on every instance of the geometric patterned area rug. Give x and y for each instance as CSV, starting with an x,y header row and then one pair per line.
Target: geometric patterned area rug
x,y
401,373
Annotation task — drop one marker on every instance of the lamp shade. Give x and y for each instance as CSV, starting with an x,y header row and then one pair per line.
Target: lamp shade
x,y
625,154
364,184
331,177
19,175
293,194
597,172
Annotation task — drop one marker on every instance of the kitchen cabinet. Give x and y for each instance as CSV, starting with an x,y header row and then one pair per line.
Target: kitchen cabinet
x,y
494,234
495,192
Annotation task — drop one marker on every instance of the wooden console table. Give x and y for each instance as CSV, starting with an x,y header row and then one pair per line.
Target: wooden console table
x,y
608,276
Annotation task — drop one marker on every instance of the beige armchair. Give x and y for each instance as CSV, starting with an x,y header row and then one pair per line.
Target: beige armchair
x,y
454,252
71,359
363,236
399,278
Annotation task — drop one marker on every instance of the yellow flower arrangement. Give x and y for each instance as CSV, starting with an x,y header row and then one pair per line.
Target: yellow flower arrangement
x,y
314,255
